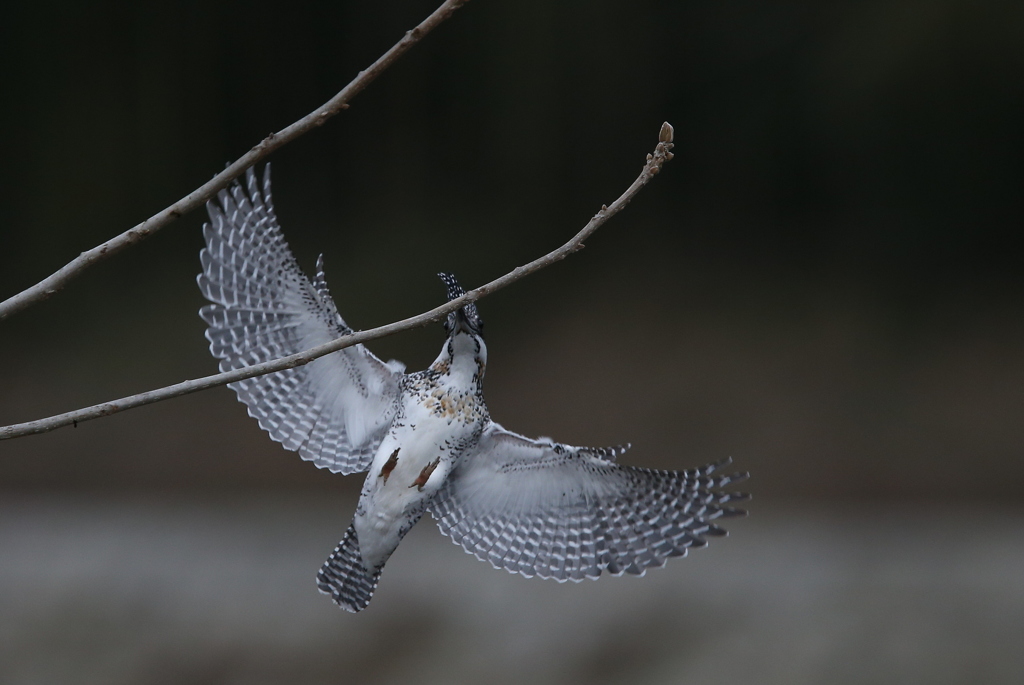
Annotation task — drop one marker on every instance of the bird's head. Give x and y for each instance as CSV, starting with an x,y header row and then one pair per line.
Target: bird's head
x,y
465,349
465,319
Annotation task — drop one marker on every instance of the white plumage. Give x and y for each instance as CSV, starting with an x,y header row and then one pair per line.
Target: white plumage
x,y
534,507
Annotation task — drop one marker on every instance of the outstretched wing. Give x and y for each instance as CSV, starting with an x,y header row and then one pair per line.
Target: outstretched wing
x,y
334,411
540,508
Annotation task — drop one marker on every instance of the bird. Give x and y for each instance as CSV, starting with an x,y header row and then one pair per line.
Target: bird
x,y
426,439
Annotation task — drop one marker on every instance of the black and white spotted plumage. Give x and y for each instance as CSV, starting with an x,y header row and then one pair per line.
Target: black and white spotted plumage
x,y
569,513
343,576
334,411
533,507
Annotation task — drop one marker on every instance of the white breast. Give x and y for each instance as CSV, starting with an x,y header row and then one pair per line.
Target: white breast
x,y
412,462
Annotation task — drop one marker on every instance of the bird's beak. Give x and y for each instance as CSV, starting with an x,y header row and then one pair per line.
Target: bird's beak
x,y
462,324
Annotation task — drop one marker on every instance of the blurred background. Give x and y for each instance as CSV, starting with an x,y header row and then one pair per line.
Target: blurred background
x,y
825,284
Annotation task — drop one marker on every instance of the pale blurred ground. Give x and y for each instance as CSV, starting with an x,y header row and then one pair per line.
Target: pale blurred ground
x,y
220,590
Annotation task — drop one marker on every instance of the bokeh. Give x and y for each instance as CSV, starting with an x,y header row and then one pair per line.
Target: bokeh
x,y
824,284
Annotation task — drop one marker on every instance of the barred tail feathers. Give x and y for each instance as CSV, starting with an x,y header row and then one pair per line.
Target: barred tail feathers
x,y
344,578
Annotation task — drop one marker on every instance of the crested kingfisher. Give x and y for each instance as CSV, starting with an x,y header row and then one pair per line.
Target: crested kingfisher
x,y
426,439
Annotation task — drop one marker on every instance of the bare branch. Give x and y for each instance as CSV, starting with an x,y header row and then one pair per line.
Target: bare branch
x,y
655,161
54,283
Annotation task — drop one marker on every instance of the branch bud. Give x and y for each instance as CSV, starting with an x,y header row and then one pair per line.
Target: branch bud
x,y
667,133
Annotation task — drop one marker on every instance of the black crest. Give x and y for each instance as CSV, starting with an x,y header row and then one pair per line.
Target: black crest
x,y
452,283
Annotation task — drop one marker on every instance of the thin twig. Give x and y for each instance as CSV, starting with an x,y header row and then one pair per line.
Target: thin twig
x,y
54,283
662,154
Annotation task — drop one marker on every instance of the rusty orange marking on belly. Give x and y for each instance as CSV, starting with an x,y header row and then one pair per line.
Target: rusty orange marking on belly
x,y
421,479
389,466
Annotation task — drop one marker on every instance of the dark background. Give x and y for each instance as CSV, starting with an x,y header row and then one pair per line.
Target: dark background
x,y
825,283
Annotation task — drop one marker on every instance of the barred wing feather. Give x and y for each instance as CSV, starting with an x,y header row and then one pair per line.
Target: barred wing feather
x,y
536,507
333,411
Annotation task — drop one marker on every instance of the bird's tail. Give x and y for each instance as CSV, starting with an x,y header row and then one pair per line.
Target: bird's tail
x,y
344,578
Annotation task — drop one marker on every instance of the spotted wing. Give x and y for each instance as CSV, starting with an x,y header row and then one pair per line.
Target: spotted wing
x,y
334,411
540,508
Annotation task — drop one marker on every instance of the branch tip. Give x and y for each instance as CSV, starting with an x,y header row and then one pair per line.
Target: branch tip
x,y
667,133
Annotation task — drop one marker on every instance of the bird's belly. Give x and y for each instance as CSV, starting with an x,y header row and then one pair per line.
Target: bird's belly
x,y
381,526
409,468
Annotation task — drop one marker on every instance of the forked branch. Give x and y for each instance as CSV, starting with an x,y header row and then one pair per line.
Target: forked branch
x,y
662,153
54,283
